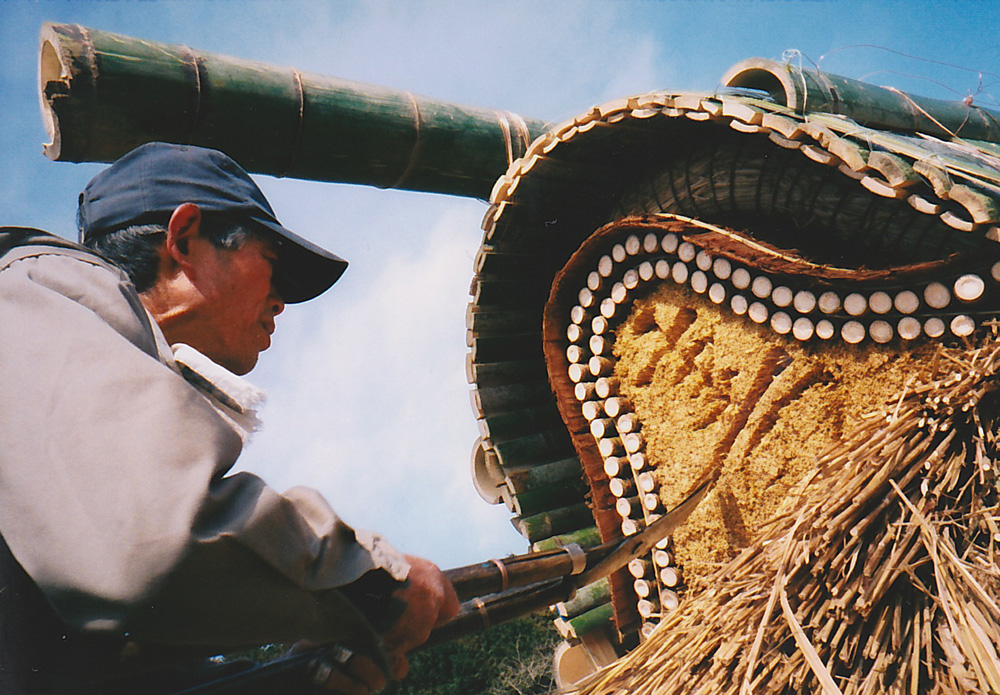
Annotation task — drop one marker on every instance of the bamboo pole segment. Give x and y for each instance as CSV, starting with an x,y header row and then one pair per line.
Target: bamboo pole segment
x,y
591,410
509,396
500,575
586,538
670,577
514,294
555,521
602,427
533,449
554,473
103,94
648,606
867,104
645,481
629,507
481,320
595,619
505,347
499,373
491,260
662,558
518,423
584,391
541,499
627,422
587,598
495,610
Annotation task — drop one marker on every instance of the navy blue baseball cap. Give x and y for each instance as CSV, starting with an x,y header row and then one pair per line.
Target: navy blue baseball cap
x,y
151,181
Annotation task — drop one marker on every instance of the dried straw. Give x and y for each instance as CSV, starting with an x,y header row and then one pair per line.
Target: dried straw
x,y
880,575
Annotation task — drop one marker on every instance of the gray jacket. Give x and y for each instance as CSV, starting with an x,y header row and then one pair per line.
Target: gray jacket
x,y
115,499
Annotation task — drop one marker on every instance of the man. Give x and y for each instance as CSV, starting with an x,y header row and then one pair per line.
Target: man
x,y
124,544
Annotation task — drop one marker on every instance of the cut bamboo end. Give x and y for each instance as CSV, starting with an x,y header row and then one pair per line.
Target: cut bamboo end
x,y
595,619
621,487
591,410
630,527
670,577
613,465
896,170
54,77
487,475
640,567
643,588
607,386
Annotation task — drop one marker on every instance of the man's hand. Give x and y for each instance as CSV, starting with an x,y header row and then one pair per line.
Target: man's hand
x,y
430,601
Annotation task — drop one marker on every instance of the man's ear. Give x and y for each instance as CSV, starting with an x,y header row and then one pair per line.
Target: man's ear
x,y
184,226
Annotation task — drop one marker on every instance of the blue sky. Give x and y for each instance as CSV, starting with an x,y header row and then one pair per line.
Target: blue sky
x,y
368,399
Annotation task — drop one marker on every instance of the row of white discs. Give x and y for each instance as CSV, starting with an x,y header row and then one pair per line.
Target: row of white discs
x,y
616,430
747,294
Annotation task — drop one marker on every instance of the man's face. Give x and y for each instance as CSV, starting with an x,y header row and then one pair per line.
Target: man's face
x,y
239,303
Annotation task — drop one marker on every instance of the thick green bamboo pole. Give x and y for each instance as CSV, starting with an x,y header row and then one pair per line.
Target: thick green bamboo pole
x,y
555,473
586,598
585,623
103,94
808,91
537,501
554,521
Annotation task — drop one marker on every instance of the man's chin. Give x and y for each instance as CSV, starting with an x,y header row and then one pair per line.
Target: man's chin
x,y
245,368
239,365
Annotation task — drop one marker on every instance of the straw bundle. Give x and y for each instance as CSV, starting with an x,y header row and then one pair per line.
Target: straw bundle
x,y
881,573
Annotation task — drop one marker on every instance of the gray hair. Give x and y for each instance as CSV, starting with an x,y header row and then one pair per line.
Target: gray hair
x,y
136,249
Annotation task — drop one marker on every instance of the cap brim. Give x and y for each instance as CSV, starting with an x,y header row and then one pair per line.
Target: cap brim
x,y
304,270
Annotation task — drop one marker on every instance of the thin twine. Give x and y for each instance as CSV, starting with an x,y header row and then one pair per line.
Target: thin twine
x,y
417,142
967,98
788,56
505,130
912,57
927,115
795,54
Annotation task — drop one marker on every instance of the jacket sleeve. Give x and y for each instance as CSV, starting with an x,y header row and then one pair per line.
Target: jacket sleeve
x,y
113,488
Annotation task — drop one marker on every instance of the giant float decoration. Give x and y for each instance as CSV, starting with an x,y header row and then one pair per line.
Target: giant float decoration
x,y
790,286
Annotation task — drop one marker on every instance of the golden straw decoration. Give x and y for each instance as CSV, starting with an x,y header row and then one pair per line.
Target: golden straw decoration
x,y
878,575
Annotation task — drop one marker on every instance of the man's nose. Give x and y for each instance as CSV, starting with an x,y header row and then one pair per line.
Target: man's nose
x,y
277,303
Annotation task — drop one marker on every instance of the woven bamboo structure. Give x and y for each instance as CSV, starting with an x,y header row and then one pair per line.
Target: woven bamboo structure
x,y
816,230
740,259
